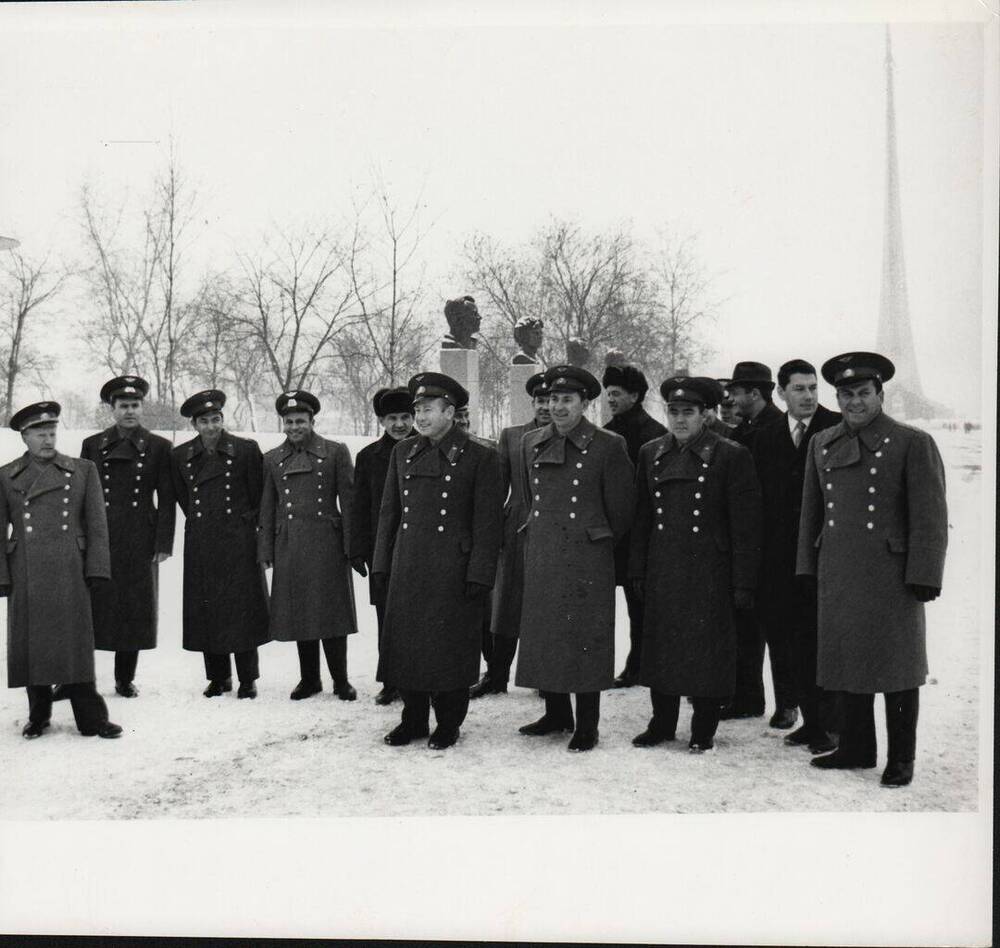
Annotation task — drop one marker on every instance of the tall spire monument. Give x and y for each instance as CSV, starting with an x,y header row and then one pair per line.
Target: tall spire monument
x,y
905,397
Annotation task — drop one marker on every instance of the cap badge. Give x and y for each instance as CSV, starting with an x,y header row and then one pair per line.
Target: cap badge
x,y
421,390
44,416
291,403
209,404
679,392
848,373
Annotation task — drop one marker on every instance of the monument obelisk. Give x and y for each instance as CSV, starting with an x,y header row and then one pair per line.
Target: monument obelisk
x,y
895,336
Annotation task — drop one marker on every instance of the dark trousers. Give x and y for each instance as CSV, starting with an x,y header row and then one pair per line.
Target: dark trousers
x,y
217,667
748,697
819,707
857,738
636,611
588,708
780,638
704,717
502,654
89,709
450,708
125,663
335,649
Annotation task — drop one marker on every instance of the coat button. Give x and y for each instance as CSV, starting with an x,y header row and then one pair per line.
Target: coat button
x,y
830,505
27,516
65,500
697,496
871,507
107,477
197,502
538,496
198,514
138,477
65,513
885,441
288,490
443,511
701,478
572,516
829,486
694,529
135,503
138,463
871,490
878,454
66,487
406,493
871,526
107,490
830,522
405,525
194,489
229,461
697,513
27,529
289,504
657,494
659,526
576,483
536,480
447,477
572,500
536,514
228,510
659,510
289,516
444,494
406,510
874,470
106,504
578,464
65,526
440,528
536,464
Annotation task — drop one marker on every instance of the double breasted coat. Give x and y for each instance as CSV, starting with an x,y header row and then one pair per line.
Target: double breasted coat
x,y
581,492
438,529
509,591
225,592
695,540
637,427
874,519
781,470
58,540
305,517
133,468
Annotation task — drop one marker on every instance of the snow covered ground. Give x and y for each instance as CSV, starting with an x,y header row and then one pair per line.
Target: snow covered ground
x,y
185,756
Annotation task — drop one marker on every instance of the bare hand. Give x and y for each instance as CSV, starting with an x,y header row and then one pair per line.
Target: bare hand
x,y
161,557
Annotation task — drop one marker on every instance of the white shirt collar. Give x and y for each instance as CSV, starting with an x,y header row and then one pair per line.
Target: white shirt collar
x,y
792,422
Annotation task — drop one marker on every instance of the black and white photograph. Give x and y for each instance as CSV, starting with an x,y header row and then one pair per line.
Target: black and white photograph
x,y
499,472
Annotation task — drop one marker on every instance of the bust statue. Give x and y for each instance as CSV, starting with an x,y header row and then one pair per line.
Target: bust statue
x,y
463,323
577,353
528,334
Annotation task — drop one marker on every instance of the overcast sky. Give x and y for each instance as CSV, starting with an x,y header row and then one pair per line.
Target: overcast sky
x,y
766,140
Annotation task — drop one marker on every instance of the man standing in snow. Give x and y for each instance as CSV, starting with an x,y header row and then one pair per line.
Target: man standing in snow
x,y
873,532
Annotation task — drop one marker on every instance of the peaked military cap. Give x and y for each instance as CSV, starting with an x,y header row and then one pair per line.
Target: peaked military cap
x,y
851,367
38,413
203,402
628,377
124,386
748,373
392,401
296,400
536,386
695,389
437,385
571,378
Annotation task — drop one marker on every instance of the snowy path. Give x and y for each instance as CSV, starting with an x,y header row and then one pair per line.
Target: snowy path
x,y
185,756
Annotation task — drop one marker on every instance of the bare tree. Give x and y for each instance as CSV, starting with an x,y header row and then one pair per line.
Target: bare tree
x,y
27,289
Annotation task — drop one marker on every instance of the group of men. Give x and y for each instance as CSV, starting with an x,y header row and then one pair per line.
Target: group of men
x,y
816,534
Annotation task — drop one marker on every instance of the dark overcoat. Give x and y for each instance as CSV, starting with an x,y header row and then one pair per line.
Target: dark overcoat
x,y
781,469
637,427
370,469
58,540
439,528
225,592
305,516
748,429
133,468
581,492
696,539
874,519
509,590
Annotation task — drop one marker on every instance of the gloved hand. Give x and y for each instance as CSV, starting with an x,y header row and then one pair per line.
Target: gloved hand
x,y
924,593
743,599
4,591
638,588
476,591
358,565
380,585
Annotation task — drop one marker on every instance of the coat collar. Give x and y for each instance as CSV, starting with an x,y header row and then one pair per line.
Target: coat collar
x,y
551,447
702,449
451,445
226,446
634,417
314,445
112,436
844,446
61,461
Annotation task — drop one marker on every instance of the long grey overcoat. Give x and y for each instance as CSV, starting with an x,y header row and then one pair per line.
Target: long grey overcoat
x,y
509,591
58,540
305,517
582,496
133,469
225,592
696,538
874,518
439,528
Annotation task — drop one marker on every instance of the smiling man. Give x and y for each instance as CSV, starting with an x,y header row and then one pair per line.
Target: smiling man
x,y
217,480
873,531
134,465
394,410
577,481
305,517
436,555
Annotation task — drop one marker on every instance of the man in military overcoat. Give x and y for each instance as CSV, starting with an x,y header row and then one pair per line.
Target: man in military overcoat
x,y
694,560
578,482
873,532
436,551
505,625
218,480
625,388
134,465
58,546
305,517
394,410
786,606
751,387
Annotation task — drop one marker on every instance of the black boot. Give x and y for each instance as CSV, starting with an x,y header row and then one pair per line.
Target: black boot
x,y
216,688
558,717
306,689
588,710
336,660
387,695
898,774
126,689
34,729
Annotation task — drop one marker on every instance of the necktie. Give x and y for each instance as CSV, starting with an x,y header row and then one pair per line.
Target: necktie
x,y
797,434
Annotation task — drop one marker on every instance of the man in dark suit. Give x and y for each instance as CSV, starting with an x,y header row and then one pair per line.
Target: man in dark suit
x,y
787,609
394,410
625,388
750,387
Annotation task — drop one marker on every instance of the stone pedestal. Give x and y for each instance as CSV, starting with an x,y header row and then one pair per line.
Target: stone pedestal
x,y
520,410
463,366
